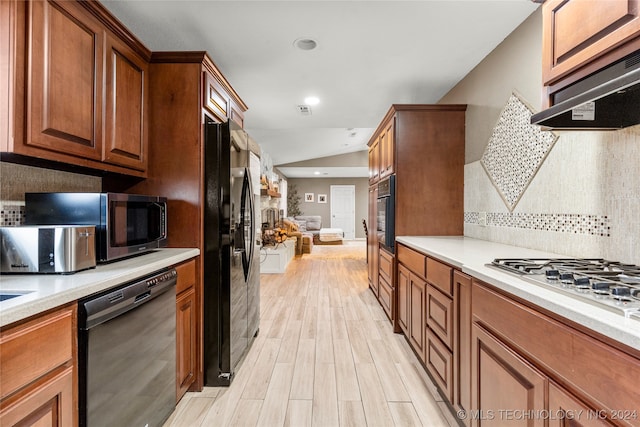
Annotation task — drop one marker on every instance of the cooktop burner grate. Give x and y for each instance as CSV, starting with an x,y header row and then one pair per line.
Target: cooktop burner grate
x,y
609,284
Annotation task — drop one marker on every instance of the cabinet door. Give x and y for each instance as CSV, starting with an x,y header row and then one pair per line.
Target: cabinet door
x,y
502,383
215,98
462,343
568,411
372,240
417,315
387,151
403,298
385,266
185,340
440,315
186,327
374,162
65,56
47,403
125,118
576,32
439,361
385,297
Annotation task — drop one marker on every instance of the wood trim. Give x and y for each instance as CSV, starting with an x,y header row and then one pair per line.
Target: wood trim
x,y
412,107
116,27
193,57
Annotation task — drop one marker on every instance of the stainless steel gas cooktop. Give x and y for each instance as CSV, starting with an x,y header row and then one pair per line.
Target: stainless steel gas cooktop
x,y
608,284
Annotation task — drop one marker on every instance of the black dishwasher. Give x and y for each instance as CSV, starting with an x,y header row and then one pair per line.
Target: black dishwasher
x,y
127,353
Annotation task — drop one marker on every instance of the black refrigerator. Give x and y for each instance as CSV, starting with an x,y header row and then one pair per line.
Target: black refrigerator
x,y
231,297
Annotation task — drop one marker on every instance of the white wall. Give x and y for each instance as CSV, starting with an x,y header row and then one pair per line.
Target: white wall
x,y
584,199
323,186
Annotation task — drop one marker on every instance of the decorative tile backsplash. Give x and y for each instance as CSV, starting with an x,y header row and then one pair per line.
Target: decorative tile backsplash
x,y
593,225
515,151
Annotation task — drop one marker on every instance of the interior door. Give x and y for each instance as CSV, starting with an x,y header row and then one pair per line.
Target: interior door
x,y
343,209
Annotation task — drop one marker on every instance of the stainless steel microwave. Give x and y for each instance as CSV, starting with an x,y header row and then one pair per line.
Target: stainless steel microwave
x,y
126,224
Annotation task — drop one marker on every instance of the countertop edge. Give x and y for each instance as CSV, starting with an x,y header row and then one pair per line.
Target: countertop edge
x,y
47,292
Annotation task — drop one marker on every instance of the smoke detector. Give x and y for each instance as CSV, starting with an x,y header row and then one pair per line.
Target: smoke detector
x,y
305,43
304,110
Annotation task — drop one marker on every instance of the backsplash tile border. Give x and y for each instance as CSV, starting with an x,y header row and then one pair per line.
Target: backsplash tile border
x,y
593,225
11,213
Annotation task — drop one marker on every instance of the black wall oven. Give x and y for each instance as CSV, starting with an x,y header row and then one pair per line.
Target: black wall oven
x,y
386,213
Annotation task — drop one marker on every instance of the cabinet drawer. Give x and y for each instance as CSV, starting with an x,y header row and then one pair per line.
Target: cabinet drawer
x,y
439,361
385,296
32,349
440,315
386,266
186,276
439,275
415,261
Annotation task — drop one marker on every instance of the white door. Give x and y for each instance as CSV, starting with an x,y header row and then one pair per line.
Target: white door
x,y
343,209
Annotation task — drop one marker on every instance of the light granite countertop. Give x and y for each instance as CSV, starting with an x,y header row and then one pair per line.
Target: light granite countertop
x,y
472,255
47,291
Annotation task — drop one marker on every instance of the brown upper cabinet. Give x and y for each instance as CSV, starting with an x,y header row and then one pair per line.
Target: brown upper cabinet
x,y
580,37
76,86
374,161
219,98
381,152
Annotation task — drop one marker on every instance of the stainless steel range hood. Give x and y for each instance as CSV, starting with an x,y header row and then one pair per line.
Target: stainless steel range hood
x,y
607,99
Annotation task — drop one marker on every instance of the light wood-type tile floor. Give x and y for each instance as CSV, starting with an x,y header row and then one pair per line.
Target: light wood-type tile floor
x,y
326,355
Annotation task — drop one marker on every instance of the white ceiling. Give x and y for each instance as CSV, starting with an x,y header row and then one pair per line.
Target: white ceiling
x,y
370,54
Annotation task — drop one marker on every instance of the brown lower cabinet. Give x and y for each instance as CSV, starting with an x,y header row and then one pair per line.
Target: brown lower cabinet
x,y
520,355
38,373
185,327
503,382
501,362
386,282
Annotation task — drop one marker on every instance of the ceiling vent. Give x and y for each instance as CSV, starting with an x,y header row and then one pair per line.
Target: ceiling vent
x,y
304,110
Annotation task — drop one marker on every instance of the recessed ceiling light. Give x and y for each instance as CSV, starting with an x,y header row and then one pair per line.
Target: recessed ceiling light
x,y
312,100
316,173
305,43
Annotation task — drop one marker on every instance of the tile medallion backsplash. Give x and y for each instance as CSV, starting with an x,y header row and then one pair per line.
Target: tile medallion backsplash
x,y
515,151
